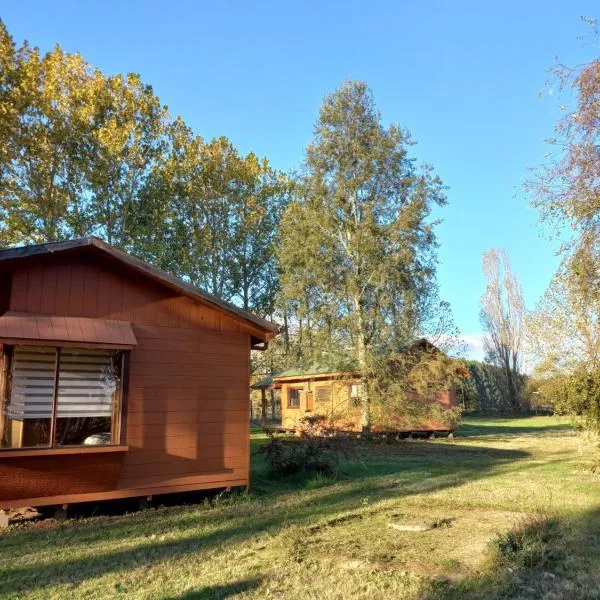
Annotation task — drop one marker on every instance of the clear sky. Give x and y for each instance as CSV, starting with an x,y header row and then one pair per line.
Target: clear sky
x,y
463,77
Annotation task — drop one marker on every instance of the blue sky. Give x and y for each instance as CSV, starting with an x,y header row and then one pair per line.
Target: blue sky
x,y
463,77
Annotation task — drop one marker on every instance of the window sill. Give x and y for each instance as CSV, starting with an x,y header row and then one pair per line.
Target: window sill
x,y
16,452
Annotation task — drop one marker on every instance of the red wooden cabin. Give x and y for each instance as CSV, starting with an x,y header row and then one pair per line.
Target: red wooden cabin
x,y
117,380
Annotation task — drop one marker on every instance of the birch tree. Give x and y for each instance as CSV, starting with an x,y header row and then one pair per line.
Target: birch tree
x,y
502,313
357,243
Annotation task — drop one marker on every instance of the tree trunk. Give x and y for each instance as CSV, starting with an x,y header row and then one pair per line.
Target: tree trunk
x,y
361,355
263,406
512,389
273,407
286,333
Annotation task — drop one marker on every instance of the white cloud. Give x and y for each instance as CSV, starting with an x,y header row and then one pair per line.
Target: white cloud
x,y
472,344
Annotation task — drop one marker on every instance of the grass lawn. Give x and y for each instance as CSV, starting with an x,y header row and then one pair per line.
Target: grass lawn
x,y
313,537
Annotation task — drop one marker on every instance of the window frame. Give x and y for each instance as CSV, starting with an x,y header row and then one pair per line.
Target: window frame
x,y
329,389
354,401
118,416
296,389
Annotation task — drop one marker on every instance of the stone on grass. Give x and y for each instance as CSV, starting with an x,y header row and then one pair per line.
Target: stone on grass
x,y
399,527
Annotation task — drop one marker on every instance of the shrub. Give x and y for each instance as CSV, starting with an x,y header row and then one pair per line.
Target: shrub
x,y
306,455
536,543
312,425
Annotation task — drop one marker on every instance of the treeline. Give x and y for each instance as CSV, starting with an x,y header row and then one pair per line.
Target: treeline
x,y
343,253
485,391
564,328
561,336
84,153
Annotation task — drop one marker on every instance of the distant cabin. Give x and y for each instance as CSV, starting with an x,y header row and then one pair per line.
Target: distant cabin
x,y
116,379
335,396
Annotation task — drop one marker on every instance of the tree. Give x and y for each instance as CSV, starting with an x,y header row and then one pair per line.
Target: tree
x,y
83,153
225,211
566,190
564,337
77,147
564,329
357,244
129,142
502,312
259,198
46,139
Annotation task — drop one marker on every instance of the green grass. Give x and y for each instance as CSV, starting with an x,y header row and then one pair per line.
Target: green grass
x,y
491,493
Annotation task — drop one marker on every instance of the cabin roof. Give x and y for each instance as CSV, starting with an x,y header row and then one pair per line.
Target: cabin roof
x,y
158,275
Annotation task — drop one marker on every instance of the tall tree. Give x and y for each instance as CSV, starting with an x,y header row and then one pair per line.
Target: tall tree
x,y
259,195
564,328
50,105
502,313
129,133
566,190
357,244
223,217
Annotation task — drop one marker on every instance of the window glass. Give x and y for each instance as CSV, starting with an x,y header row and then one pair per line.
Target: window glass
x,y
88,384
294,397
324,394
87,398
28,411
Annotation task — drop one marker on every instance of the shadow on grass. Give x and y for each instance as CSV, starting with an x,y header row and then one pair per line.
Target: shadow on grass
x,y
569,569
381,472
472,430
219,592
402,459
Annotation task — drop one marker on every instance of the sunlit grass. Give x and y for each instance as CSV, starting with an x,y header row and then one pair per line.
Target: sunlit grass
x,y
314,537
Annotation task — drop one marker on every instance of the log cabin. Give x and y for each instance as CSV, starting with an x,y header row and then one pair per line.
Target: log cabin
x,y
334,396
117,380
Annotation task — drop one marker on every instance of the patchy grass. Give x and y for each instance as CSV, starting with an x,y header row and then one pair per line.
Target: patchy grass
x,y
510,508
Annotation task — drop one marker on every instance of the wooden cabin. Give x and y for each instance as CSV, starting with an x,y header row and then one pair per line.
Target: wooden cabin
x,y
116,379
335,396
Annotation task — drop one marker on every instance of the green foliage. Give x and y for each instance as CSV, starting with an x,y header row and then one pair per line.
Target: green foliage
x,y
357,251
485,391
564,330
407,387
564,333
535,543
309,454
576,394
84,153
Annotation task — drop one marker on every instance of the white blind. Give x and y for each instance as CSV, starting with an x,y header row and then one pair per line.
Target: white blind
x,y
86,384
32,387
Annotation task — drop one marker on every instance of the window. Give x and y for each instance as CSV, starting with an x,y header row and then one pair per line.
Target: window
x,y
324,393
354,394
60,397
294,397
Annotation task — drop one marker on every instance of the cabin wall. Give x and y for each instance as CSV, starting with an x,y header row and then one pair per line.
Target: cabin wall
x,y
345,415
187,414
337,409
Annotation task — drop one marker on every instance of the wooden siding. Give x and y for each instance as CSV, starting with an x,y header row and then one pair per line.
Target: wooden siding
x,y
40,329
187,422
22,478
339,412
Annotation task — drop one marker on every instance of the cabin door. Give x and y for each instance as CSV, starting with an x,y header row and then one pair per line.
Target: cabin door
x,y
309,402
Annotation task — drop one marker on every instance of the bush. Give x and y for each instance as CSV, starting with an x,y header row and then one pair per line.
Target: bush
x,y
536,543
306,455
311,425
